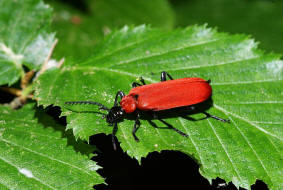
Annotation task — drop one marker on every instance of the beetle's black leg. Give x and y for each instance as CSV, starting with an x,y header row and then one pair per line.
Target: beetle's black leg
x,y
142,81
136,126
163,76
135,84
114,131
155,116
171,127
215,117
121,94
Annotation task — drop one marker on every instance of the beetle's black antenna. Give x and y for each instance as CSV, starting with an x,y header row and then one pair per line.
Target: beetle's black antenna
x,y
101,106
217,118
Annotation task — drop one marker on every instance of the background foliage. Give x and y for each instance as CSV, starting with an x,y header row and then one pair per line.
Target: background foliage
x,y
260,18
80,28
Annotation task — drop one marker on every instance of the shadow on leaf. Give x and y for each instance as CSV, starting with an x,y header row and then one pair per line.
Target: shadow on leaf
x,y
48,122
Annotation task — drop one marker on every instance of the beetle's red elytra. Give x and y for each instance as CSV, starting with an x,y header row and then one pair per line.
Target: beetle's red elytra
x,y
166,95
152,98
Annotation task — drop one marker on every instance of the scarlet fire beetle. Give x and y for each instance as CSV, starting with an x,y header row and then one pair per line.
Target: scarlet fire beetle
x,y
165,95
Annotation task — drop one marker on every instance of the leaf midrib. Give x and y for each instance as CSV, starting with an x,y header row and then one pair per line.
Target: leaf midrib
x,y
43,155
165,52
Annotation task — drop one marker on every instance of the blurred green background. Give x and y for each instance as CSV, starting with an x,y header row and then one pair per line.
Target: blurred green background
x,y
80,25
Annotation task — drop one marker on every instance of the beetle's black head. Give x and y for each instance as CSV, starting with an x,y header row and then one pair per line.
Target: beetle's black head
x,y
115,114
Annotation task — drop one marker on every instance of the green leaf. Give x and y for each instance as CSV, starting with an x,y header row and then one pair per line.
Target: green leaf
x,y
25,37
79,31
246,89
36,153
259,18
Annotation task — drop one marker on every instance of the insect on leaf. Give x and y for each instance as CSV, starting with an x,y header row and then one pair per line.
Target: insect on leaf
x,y
247,89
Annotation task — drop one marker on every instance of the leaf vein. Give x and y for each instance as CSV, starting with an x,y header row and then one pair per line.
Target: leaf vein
x,y
214,65
43,155
109,70
165,52
1,182
245,82
262,102
32,133
267,122
13,28
127,140
222,145
255,153
52,85
122,48
246,120
190,137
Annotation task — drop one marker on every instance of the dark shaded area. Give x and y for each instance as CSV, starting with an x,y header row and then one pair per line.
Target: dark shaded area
x,y
58,124
259,185
55,112
5,97
78,4
165,170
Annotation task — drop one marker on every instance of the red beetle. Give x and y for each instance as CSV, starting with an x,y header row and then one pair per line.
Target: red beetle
x,y
156,97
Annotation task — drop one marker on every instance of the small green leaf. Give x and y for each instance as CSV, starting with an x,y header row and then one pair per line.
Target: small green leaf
x,y
247,89
79,31
36,153
25,37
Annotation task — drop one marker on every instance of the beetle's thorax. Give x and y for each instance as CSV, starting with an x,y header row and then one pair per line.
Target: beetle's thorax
x,y
129,103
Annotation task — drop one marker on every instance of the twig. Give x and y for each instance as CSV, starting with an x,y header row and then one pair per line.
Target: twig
x,y
13,91
60,63
45,64
25,80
